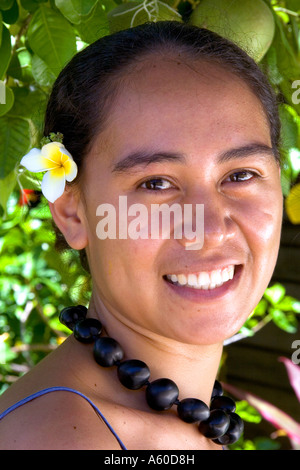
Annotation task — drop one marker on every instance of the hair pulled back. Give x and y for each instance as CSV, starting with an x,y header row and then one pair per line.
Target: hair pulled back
x,y
85,89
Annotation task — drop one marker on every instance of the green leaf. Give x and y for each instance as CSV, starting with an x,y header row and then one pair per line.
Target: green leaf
x,y
41,72
20,66
1,27
29,102
296,33
29,5
5,51
7,185
6,4
14,142
75,10
95,24
261,308
134,13
6,353
293,5
284,321
11,16
270,59
290,126
8,101
247,412
289,304
288,64
275,293
294,159
52,38
29,181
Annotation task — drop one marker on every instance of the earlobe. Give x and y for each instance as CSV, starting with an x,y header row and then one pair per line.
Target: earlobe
x,y
68,214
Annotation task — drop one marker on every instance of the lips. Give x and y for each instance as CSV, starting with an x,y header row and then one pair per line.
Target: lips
x,y
198,289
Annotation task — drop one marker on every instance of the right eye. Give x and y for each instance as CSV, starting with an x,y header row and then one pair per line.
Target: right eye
x,y
156,184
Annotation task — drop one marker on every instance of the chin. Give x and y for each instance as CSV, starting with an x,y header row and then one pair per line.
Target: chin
x,y
207,331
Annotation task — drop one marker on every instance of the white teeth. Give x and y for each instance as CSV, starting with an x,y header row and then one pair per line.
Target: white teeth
x,y
231,271
225,275
204,280
192,280
182,279
216,277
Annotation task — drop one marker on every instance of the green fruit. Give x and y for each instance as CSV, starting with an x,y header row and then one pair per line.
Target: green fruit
x,y
131,14
248,23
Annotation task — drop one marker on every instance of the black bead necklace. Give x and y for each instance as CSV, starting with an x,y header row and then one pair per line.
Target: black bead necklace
x,y
218,422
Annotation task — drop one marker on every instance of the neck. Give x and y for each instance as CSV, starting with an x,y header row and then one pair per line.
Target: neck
x,y
192,367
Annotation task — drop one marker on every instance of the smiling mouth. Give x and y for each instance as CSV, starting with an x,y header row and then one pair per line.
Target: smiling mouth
x,y
204,280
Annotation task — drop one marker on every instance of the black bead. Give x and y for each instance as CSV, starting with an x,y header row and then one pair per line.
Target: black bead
x,y
88,330
234,432
133,374
107,352
161,394
223,403
191,410
69,316
216,425
217,390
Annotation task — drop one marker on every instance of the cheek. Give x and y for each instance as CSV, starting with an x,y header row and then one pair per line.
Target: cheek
x,y
261,227
124,263
125,277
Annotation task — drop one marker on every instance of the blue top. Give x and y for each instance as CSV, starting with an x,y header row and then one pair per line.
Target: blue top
x,y
64,389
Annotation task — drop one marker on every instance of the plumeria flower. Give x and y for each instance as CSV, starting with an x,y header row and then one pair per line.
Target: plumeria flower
x,y
58,164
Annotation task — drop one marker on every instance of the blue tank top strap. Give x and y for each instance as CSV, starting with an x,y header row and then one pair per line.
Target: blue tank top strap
x,y
63,389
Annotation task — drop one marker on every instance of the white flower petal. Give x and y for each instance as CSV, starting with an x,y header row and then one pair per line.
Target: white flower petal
x,y
34,161
51,147
65,152
52,152
71,175
52,186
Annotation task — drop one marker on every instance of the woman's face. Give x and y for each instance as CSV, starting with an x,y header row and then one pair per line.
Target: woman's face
x,y
185,134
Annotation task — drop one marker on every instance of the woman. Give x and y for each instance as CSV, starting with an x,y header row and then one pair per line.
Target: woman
x,y
160,114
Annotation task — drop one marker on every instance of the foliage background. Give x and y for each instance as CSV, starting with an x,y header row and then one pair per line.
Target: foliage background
x,y
37,38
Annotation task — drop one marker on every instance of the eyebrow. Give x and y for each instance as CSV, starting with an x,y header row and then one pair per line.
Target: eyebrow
x,y
140,159
246,151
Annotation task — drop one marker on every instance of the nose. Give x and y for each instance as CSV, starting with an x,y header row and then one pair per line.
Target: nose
x,y
209,224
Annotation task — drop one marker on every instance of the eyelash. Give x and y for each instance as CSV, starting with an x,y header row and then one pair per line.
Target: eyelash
x,y
252,174
228,179
156,179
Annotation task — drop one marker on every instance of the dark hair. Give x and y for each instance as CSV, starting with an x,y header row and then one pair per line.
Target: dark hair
x,y
85,89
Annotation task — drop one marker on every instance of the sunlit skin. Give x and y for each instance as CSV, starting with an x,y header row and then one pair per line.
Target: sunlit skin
x,y
198,111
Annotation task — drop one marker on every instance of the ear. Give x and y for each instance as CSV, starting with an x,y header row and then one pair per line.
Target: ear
x,y
68,214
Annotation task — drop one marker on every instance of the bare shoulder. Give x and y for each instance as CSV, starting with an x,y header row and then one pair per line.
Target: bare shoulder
x,y
56,421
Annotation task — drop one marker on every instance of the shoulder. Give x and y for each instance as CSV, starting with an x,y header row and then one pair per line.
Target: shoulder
x,y
60,420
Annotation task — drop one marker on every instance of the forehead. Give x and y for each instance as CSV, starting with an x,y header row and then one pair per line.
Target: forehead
x,y
164,101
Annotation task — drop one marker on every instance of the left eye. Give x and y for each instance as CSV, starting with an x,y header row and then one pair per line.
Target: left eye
x,y
156,184
240,176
